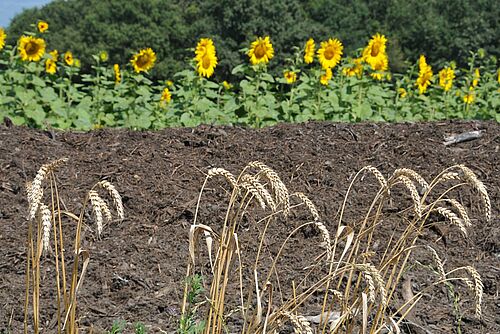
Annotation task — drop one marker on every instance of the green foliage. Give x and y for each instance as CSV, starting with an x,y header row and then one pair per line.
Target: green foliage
x,y
441,30
188,323
120,326
74,99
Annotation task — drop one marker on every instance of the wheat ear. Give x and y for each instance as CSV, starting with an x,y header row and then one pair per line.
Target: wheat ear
x,y
264,194
478,289
46,224
35,190
221,171
97,207
279,188
412,174
453,218
299,322
115,195
380,178
413,192
474,182
310,205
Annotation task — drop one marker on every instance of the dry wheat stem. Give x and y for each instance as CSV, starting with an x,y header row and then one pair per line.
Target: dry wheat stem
x,y
473,181
115,195
35,190
310,205
279,188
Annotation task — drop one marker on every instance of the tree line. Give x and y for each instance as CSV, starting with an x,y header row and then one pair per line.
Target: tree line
x,y
442,30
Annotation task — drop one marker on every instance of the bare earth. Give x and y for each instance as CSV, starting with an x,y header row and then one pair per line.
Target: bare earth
x,y
137,267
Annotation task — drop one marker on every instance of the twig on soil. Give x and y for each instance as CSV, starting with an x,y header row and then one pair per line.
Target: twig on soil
x,y
462,137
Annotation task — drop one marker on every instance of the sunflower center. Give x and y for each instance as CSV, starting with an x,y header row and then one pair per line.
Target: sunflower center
x,y
375,49
329,53
142,60
206,61
260,51
31,48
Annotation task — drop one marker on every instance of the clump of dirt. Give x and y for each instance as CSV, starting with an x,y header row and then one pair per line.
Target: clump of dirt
x,y
137,266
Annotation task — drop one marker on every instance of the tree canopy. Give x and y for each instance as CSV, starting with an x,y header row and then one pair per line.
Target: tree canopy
x,y
441,30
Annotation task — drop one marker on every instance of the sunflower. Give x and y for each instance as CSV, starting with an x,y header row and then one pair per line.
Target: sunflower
x,y
330,52
446,76
206,57
290,76
469,97
166,97
424,75
144,60
54,54
227,85
204,45
355,68
375,50
2,38
261,51
169,83
477,76
309,49
68,58
103,56
325,78
31,48
118,75
402,92
377,75
42,26
50,66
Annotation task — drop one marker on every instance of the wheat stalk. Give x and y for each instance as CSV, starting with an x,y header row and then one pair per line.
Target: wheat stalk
x,y
96,203
277,185
115,195
461,210
478,289
453,218
35,190
310,205
258,187
474,182
413,192
439,263
378,175
46,223
411,173
221,171
299,322
373,276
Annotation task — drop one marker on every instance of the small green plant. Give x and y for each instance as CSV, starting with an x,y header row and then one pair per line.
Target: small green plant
x,y
193,290
118,327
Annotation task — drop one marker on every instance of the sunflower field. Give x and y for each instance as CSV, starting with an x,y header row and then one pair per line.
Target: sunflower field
x,y
44,87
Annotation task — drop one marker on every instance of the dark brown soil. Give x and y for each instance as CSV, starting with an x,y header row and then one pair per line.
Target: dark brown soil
x,y
138,265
